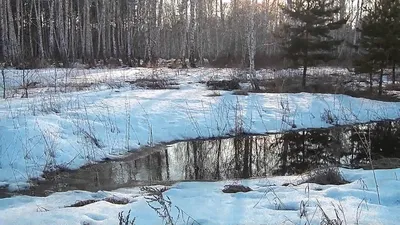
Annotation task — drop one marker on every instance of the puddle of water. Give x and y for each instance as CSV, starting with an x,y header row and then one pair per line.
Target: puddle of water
x,y
239,157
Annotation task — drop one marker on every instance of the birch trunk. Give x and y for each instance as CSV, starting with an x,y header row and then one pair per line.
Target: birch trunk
x,y
39,28
62,48
160,27
183,21
87,31
252,45
192,28
51,28
200,27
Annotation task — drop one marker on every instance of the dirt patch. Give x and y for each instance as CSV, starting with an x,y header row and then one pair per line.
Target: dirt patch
x,y
393,87
83,203
112,200
328,84
227,85
235,188
154,190
240,92
117,201
292,84
153,83
384,163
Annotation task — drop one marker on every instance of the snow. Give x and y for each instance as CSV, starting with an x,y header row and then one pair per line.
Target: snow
x,y
204,202
51,130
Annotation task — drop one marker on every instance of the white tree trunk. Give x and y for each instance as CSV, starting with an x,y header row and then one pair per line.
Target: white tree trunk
x,y
51,28
183,21
62,48
160,27
200,28
192,28
38,14
87,31
252,42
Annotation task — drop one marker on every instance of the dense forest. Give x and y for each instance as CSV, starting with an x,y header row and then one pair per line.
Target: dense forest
x,y
236,32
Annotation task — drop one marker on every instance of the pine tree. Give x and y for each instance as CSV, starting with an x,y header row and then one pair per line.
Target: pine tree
x,y
308,29
379,40
394,35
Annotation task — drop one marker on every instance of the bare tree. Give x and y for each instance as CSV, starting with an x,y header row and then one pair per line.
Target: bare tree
x,y
192,28
90,30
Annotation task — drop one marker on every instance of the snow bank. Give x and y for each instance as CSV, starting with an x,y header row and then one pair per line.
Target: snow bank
x,y
204,202
72,129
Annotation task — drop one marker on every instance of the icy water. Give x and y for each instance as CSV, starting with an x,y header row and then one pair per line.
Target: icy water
x,y
239,157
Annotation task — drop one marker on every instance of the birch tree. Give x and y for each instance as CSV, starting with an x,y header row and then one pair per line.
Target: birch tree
x,y
252,43
130,30
192,28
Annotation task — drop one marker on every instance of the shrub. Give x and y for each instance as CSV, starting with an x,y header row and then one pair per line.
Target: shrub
x,y
325,176
227,85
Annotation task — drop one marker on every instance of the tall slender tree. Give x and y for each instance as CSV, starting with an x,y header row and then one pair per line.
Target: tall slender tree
x,y
309,31
379,39
130,30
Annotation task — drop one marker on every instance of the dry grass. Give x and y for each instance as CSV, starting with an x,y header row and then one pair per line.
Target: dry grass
x,y
325,176
125,220
327,84
112,200
384,163
83,203
393,87
154,83
117,201
240,92
292,84
214,94
227,85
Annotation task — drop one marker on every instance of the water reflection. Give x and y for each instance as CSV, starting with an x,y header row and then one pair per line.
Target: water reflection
x,y
239,157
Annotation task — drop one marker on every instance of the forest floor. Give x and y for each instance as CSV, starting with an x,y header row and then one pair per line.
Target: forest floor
x,y
74,117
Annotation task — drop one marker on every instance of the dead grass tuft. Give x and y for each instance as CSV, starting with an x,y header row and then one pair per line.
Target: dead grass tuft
x,y
384,163
227,85
83,203
325,176
112,200
393,87
240,92
117,201
154,83
214,94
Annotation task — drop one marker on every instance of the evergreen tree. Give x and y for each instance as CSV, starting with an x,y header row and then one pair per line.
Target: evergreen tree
x,y
379,43
394,35
308,29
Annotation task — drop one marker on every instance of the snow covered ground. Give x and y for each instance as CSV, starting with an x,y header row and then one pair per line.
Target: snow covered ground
x,y
51,130
204,203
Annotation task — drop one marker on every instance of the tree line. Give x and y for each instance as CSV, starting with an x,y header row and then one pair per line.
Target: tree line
x,y
379,45
310,36
246,33
88,31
